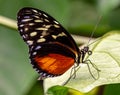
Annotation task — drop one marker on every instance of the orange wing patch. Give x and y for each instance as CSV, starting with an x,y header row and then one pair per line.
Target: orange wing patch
x,y
55,64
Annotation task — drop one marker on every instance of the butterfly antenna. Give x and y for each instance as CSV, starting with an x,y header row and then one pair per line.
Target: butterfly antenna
x,y
95,28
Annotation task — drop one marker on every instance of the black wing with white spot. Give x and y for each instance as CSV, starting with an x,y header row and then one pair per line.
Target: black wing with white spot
x,y
46,38
36,27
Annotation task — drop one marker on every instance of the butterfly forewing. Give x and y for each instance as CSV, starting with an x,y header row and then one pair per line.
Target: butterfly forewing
x,y
52,49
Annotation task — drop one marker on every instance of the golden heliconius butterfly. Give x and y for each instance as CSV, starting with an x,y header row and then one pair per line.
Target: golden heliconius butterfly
x,y
52,50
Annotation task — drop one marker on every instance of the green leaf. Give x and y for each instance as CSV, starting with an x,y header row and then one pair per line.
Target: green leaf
x,y
112,89
57,90
105,56
106,6
16,73
60,90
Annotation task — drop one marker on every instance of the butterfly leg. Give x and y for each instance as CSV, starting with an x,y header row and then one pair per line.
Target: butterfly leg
x,y
93,65
72,74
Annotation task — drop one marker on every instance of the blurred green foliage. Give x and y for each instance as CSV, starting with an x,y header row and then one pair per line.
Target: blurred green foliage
x,y
78,16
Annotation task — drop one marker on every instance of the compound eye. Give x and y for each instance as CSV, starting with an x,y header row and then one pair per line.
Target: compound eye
x,y
89,52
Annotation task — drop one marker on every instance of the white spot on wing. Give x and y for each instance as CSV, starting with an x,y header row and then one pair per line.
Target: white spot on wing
x,y
60,34
41,36
31,24
44,33
38,20
33,34
46,20
56,26
38,47
36,16
26,17
21,25
45,15
41,29
54,36
34,53
25,29
24,36
21,30
39,13
25,20
41,40
48,26
56,22
35,11
29,42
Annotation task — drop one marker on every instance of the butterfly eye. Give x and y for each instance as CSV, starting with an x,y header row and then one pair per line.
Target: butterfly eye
x,y
89,52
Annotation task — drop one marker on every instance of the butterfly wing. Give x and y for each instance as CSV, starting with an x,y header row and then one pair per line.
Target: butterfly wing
x,y
52,49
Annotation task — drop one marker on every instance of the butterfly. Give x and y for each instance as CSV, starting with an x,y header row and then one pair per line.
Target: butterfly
x,y
52,50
